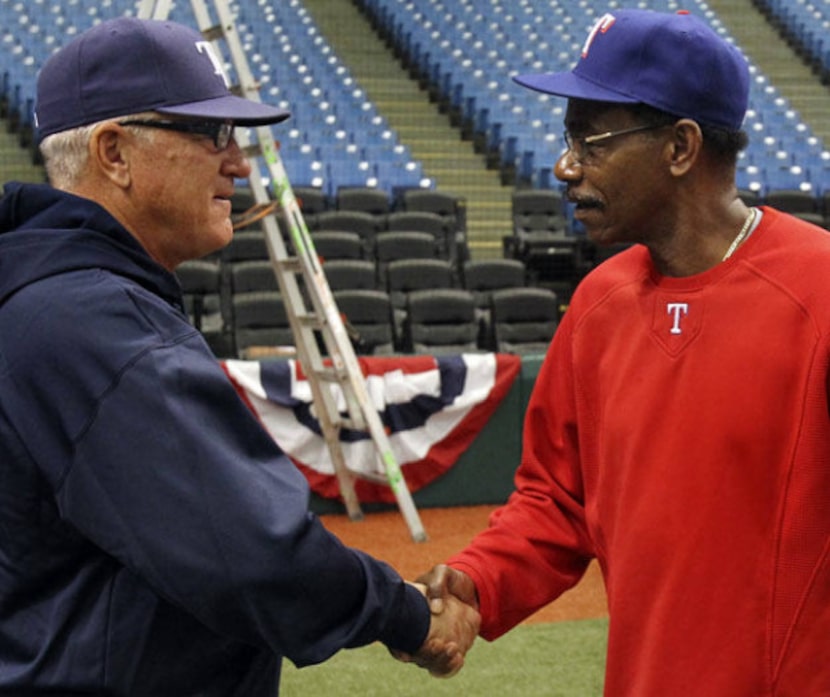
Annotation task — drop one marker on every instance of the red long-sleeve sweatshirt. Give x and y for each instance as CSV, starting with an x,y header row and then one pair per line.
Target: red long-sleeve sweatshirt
x,y
679,433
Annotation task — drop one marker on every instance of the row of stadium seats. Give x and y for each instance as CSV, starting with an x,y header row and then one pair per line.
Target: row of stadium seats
x,y
336,137
466,53
395,272
806,26
418,307
367,212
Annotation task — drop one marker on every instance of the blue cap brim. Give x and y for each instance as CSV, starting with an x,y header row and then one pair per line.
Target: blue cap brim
x,y
572,86
243,112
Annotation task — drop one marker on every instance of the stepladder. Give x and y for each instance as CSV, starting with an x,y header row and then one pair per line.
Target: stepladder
x,y
322,344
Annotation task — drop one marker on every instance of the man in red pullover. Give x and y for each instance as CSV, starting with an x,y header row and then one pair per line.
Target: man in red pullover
x,y
678,431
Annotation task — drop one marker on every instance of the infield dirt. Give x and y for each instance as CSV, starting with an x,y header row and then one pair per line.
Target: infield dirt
x,y
385,536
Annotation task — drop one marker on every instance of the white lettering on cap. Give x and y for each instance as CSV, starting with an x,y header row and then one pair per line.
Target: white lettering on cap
x,y
207,48
602,25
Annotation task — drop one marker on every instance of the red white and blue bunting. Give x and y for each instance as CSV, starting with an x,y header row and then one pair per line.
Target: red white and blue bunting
x,y
432,409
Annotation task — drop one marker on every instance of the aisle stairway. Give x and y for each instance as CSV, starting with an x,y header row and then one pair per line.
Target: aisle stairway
x,y
449,160
778,62
16,162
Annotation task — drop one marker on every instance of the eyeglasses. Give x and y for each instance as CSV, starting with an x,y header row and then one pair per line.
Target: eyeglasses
x,y
582,150
220,132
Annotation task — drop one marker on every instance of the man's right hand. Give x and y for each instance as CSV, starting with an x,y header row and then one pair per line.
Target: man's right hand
x,y
443,581
452,631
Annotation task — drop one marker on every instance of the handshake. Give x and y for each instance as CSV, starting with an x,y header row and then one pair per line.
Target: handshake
x,y
454,623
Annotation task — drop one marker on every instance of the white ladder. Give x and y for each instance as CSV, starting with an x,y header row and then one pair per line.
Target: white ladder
x,y
315,311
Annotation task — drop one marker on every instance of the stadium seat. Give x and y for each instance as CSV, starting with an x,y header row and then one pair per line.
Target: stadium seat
x,y
366,199
260,323
794,201
253,276
350,274
523,319
484,276
441,321
391,246
312,201
246,245
403,276
332,244
201,283
440,227
452,209
364,224
368,317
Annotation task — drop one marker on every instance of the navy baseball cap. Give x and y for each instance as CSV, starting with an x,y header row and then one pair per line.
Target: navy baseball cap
x,y
673,62
126,66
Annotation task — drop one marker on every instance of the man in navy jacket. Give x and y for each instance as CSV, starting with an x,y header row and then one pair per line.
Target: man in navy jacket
x,y
153,538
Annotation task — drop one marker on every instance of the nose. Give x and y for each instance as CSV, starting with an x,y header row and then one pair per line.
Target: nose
x,y
567,167
235,162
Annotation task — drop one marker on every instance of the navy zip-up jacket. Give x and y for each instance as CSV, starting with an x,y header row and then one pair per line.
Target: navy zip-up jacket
x,y
153,538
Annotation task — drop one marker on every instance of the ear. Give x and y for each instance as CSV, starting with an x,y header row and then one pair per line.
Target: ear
x,y
109,153
685,146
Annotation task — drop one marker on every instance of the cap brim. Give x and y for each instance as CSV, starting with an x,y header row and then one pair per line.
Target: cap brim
x,y
572,86
244,112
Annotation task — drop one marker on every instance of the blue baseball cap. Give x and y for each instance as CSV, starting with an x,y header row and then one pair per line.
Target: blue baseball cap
x,y
673,62
126,66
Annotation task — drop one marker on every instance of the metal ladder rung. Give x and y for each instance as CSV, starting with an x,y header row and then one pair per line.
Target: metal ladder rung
x,y
310,321
373,478
291,264
330,375
213,33
252,150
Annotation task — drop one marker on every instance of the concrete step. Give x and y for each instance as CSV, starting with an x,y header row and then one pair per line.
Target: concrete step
x,y
16,161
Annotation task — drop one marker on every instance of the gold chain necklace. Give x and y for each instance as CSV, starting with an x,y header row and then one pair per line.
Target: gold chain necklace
x,y
741,235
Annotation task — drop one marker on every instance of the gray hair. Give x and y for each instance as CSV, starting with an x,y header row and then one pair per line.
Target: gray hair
x,y
66,154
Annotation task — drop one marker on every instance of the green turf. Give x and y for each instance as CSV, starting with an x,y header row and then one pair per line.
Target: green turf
x,y
563,659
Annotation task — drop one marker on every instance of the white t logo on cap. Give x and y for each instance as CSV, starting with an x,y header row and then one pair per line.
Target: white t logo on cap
x,y
206,48
602,25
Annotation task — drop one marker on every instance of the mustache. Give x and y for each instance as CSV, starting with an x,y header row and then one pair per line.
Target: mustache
x,y
583,200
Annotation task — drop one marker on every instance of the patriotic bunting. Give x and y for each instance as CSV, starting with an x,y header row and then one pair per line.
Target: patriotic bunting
x,y
432,409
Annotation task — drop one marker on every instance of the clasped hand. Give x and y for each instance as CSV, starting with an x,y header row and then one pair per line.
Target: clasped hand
x,y
454,621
